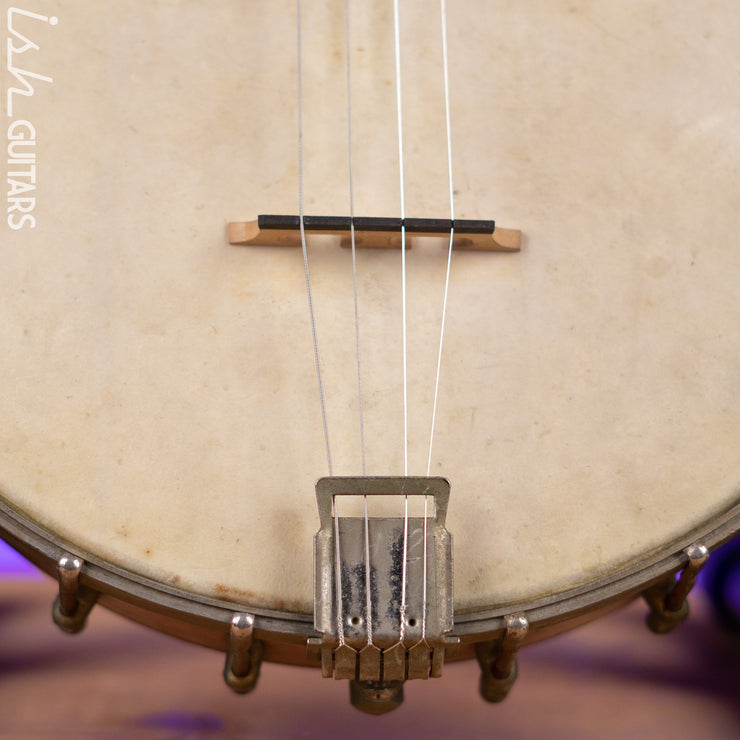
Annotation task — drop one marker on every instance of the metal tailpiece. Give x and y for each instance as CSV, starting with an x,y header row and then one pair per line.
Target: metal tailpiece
x,y
382,585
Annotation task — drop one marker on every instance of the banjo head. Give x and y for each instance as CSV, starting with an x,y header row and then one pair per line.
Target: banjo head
x,y
161,417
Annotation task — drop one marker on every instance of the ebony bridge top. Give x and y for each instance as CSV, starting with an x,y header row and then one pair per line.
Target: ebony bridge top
x,y
285,231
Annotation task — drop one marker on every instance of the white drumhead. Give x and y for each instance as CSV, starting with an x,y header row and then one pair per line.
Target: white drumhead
x,y
160,406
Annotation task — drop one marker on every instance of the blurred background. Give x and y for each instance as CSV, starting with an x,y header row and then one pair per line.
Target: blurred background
x,y
12,565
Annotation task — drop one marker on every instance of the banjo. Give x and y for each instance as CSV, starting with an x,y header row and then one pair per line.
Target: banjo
x,y
416,344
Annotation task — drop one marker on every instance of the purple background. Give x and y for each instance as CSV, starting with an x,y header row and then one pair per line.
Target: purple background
x,y
12,565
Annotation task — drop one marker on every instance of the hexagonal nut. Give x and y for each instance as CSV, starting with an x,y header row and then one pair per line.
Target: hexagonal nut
x,y
376,697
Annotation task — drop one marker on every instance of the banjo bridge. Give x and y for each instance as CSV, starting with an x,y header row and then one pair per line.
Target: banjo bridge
x,y
382,584
285,231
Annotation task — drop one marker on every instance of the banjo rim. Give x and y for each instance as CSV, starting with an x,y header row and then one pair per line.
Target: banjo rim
x,y
206,621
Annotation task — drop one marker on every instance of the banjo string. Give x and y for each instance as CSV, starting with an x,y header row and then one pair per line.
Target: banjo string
x,y
368,585
446,76
304,247
338,569
399,109
397,47
352,236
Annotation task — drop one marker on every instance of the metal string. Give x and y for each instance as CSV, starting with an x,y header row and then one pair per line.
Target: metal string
x,y
368,585
340,620
399,108
424,576
338,573
352,236
303,243
404,569
445,70
338,559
